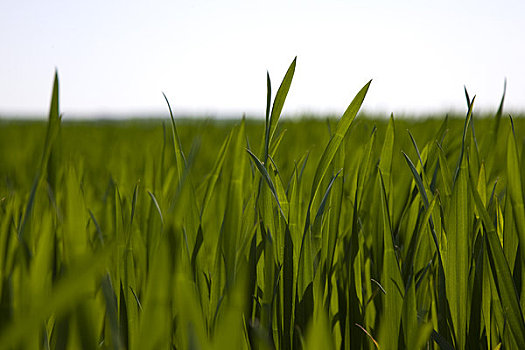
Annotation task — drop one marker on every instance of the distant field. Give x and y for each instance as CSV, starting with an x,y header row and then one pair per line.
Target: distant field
x,y
102,146
353,233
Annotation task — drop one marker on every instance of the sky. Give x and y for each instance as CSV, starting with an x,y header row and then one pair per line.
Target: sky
x,y
115,58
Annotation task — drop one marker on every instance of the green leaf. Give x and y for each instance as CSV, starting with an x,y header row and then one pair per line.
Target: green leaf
x,y
266,140
391,281
154,200
267,178
53,126
231,228
214,174
155,321
464,138
457,256
288,290
385,160
499,112
278,102
111,311
179,156
515,189
335,141
506,289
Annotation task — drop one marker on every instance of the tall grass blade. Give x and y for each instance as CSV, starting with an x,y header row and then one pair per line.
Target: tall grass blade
x,y
515,189
179,156
335,141
502,275
267,178
499,112
392,281
280,97
457,256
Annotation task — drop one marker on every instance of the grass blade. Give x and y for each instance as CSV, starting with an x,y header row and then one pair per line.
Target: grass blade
x,y
515,189
278,102
179,156
267,178
506,289
335,141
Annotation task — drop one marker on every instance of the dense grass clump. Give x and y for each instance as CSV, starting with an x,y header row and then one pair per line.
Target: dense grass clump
x,y
341,233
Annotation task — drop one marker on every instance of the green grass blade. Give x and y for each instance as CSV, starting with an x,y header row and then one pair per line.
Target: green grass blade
x,y
276,143
391,281
442,304
499,112
111,311
278,102
267,178
506,289
515,189
156,203
53,123
457,257
279,187
179,156
442,342
288,290
335,141
266,140
53,126
386,157
155,322
214,174
446,175
334,233
316,227
231,228
464,138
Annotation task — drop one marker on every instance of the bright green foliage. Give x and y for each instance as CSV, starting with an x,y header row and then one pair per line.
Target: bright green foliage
x,y
347,233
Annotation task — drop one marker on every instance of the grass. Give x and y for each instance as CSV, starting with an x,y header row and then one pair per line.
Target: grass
x,y
342,233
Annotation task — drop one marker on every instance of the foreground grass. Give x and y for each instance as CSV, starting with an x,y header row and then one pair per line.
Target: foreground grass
x,y
344,233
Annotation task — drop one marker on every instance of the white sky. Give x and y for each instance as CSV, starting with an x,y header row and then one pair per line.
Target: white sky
x,y
211,57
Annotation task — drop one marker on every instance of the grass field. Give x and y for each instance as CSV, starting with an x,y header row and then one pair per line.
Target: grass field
x,y
348,233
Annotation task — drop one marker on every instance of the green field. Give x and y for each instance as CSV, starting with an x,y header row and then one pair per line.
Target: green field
x,y
349,232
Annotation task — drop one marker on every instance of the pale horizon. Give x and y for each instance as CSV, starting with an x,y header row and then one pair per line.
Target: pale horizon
x,y
116,58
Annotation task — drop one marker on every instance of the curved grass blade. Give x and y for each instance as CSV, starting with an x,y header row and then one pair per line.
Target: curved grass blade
x,y
154,200
276,143
279,187
499,112
333,145
179,155
278,102
316,228
267,178
368,335
464,137
306,271
443,311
